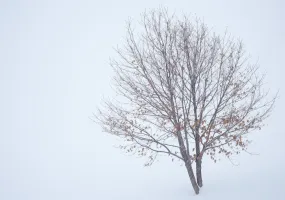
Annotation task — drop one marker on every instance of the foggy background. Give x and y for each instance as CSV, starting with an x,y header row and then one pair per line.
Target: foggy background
x,y
54,71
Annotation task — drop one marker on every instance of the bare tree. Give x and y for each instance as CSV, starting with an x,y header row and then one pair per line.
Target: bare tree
x,y
185,92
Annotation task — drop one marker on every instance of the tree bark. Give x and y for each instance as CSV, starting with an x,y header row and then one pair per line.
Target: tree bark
x,y
199,172
198,162
192,176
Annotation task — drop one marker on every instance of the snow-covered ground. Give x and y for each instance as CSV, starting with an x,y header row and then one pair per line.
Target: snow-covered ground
x,y
54,71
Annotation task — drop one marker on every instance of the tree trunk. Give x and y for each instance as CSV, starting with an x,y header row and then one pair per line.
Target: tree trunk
x,y
198,161
188,163
199,172
192,176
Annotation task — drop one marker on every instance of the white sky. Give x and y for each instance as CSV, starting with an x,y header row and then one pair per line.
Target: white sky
x,y
54,70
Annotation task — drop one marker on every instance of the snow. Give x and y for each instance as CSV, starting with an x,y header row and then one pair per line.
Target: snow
x,y
54,70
